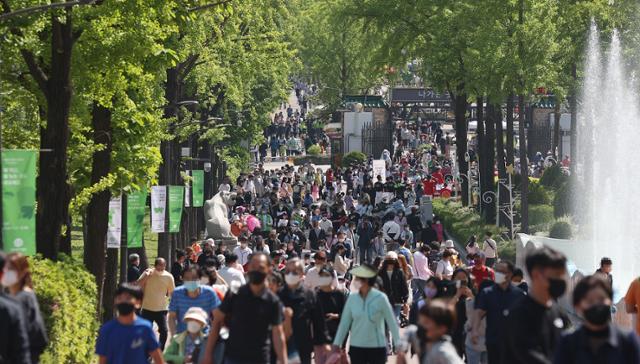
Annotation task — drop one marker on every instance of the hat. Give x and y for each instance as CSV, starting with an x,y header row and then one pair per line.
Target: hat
x,y
363,271
448,244
198,314
221,258
210,242
391,255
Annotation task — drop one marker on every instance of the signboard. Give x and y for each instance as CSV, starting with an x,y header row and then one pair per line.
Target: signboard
x,y
136,204
114,230
158,208
19,201
426,210
197,188
379,169
418,95
176,203
187,191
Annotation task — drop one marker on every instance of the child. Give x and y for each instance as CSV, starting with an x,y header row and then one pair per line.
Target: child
x,y
438,318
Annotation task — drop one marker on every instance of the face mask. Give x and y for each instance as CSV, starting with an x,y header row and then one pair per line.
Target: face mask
x,y
355,285
430,292
292,279
324,281
9,278
191,285
125,308
194,327
256,277
598,314
204,281
500,277
557,287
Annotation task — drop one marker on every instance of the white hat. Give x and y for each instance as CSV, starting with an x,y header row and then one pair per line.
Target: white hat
x,y
221,258
391,255
198,314
448,244
210,242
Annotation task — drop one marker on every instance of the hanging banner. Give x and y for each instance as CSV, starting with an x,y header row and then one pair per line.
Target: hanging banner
x,y
379,169
176,201
197,189
19,201
187,191
114,231
136,205
158,208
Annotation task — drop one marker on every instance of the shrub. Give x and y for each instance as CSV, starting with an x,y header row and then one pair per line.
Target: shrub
x,y
561,229
540,214
67,296
553,177
314,150
538,195
352,158
562,202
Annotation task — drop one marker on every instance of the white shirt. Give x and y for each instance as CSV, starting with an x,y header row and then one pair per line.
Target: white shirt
x,y
489,248
231,275
243,254
421,263
311,279
224,187
326,225
444,268
391,231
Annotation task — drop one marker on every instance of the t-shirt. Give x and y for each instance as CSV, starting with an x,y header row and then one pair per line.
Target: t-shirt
x,y
180,302
490,248
633,298
126,344
249,319
156,290
482,273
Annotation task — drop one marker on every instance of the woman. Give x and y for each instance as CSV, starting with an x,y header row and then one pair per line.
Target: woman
x,y
472,246
401,220
438,319
17,278
394,283
340,262
331,302
444,269
597,340
464,292
364,317
188,346
476,351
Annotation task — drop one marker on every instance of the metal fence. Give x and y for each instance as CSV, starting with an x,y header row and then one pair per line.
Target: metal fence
x,y
377,137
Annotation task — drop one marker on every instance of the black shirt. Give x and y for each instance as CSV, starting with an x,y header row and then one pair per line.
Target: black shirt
x,y
133,273
249,319
309,327
532,331
36,330
614,346
14,342
331,302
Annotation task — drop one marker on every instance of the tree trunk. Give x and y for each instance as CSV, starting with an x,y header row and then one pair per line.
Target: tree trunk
x,y
110,284
481,150
524,169
98,209
52,190
503,192
460,110
574,119
509,147
489,200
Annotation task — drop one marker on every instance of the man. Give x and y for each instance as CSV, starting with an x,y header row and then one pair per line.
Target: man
x,y
133,273
535,323
404,250
179,266
493,302
308,322
605,270
127,339
415,224
490,249
365,235
326,225
315,235
421,267
231,275
254,318
312,279
243,251
190,294
206,256
157,285
480,271
14,341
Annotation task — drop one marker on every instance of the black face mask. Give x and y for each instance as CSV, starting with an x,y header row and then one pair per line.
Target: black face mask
x,y
557,287
598,314
125,308
256,277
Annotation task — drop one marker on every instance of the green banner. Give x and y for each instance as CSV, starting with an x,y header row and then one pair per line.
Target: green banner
x,y
176,202
197,188
19,201
136,206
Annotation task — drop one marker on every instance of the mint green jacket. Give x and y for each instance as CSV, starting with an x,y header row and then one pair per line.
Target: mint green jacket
x,y
365,319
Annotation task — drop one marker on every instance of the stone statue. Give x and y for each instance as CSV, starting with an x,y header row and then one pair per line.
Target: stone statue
x,y
216,215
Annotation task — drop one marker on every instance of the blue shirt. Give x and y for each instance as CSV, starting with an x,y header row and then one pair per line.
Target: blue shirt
x,y
126,344
180,302
496,303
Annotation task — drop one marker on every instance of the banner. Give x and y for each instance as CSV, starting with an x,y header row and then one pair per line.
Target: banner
x,y
136,205
19,201
158,208
197,188
114,231
176,201
379,169
187,191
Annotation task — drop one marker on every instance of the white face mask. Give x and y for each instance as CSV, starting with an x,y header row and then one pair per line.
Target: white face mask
x,y
324,281
9,278
355,285
292,279
500,278
194,327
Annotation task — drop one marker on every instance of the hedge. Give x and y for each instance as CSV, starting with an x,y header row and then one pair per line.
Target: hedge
x,y
353,158
561,229
67,296
314,150
461,222
538,195
553,177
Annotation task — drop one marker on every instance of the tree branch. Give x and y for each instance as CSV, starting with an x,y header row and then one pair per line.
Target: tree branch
x,y
207,6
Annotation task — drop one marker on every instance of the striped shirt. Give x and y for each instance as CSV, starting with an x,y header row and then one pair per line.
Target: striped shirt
x,y
180,302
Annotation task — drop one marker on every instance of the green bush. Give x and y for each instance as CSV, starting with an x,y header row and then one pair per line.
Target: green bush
x,y
538,195
540,214
561,229
67,296
353,158
562,202
314,150
553,177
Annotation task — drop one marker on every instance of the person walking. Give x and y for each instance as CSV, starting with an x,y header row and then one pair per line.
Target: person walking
x,y
128,339
188,346
490,250
366,317
133,273
17,278
157,285
365,236
394,283
331,302
14,339
422,271
438,319
191,294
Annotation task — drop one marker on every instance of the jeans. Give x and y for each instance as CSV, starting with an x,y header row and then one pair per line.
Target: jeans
x,y
367,254
475,357
418,288
367,355
160,318
397,309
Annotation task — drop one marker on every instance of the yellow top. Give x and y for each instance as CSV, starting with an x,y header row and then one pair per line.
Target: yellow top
x,y
157,288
